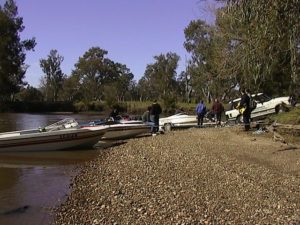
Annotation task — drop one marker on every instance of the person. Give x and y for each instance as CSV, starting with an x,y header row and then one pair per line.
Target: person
x,y
180,110
244,107
252,102
155,111
146,115
292,100
201,111
114,114
217,109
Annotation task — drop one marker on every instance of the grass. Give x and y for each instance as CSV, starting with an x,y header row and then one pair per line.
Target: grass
x,y
291,117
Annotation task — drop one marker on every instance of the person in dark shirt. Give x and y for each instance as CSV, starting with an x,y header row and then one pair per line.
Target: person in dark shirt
x,y
245,105
114,114
155,111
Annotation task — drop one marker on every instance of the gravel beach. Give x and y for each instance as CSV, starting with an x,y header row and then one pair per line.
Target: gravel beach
x,y
194,176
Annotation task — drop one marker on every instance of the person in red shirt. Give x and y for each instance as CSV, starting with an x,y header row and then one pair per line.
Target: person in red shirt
x,y
217,109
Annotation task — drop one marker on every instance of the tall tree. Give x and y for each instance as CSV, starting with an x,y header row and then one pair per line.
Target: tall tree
x,y
53,80
71,89
94,71
265,38
30,94
123,82
161,75
12,51
200,42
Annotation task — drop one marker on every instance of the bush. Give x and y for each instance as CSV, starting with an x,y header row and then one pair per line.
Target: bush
x,y
121,107
169,104
80,106
95,106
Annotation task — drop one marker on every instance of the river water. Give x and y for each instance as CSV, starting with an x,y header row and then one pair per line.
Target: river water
x,y
32,183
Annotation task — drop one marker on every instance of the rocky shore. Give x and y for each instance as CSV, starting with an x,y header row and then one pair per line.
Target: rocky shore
x,y
195,176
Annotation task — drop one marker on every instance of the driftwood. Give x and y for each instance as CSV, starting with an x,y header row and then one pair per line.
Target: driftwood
x,y
276,135
287,126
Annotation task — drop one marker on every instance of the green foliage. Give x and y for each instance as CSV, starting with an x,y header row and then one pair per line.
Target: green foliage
x,y
96,106
291,117
160,77
80,107
93,70
30,94
52,82
254,44
110,94
265,36
12,51
198,42
97,78
137,107
123,82
169,103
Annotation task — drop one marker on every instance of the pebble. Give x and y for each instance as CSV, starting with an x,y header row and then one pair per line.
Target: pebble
x,y
194,176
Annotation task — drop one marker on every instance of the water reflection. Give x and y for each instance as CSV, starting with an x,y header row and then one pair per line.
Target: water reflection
x,y
31,183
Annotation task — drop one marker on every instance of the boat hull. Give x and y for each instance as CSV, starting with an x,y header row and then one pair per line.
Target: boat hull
x,y
179,119
50,141
125,132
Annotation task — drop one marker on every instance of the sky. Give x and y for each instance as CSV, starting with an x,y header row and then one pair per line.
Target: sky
x,y
132,31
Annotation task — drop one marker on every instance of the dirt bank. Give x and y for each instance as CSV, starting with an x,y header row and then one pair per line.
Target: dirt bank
x,y
195,176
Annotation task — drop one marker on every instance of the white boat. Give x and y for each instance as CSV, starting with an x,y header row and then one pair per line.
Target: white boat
x,y
64,134
177,120
122,129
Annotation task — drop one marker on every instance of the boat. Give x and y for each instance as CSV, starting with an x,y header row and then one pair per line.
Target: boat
x,y
182,120
177,120
121,129
64,134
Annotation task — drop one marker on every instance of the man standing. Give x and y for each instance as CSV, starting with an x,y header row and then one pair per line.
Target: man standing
x,y
146,115
245,103
155,111
217,109
201,111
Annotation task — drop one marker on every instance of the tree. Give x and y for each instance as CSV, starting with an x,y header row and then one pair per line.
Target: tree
x,y
184,86
94,71
265,42
71,89
161,75
53,80
200,42
30,94
123,81
12,51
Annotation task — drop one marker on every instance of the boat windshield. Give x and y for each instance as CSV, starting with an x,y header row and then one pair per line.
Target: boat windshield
x,y
62,124
262,98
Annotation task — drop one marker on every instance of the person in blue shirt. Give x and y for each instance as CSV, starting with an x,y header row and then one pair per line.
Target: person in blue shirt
x,y
201,111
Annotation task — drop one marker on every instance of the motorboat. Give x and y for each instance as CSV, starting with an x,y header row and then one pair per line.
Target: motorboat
x,y
177,120
121,129
64,134
265,106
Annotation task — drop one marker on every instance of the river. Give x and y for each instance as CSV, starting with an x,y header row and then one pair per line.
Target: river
x,y
32,183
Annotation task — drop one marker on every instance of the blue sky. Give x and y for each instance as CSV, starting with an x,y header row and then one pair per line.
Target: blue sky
x,y
132,31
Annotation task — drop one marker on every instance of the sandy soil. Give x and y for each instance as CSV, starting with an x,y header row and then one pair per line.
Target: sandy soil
x,y
195,176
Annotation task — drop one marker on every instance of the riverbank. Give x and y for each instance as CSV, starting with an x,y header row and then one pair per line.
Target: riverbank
x,y
195,176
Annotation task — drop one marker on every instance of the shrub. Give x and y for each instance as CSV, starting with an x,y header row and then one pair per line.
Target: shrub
x,y
95,106
80,106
